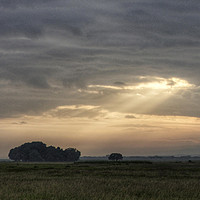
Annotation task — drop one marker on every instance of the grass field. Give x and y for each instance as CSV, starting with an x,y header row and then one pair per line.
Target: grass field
x,y
100,181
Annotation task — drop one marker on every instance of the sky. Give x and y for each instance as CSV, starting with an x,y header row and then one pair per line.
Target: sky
x,y
101,76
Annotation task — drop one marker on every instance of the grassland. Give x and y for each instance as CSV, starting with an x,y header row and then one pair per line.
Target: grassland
x,y
100,181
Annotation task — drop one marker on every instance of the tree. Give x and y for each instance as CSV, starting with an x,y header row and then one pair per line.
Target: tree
x,y
72,154
38,152
15,154
115,156
34,156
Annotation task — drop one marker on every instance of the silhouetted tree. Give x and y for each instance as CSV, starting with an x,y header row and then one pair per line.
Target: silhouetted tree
x,y
72,154
34,156
115,156
38,152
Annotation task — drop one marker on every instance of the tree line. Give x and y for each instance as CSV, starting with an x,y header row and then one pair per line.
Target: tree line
x,y
40,152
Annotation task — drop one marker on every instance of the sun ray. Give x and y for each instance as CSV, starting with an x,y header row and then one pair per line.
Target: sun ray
x,y
146,96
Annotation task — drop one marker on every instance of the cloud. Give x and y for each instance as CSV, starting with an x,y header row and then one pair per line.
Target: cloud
x,y
56,53
119,83
130,117
76,111
20,123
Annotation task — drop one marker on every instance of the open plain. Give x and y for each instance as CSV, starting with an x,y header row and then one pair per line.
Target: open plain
x,y
100,180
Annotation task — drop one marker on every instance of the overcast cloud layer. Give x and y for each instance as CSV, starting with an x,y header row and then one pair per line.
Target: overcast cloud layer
x,y
78,52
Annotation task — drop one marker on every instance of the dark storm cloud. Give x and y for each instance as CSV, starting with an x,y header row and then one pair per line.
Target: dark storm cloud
x,y
32,19
61,46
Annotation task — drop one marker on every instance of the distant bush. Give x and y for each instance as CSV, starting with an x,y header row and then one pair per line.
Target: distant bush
x,y
39,152
115,156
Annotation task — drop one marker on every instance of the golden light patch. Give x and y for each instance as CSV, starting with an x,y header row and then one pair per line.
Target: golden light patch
x,y
158,83
166,84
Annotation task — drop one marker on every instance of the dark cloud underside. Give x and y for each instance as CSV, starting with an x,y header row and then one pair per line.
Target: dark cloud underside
x,y
51,49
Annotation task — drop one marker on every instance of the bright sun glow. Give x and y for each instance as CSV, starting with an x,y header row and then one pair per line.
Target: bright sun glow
x,y
146,95
158,84
166,84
